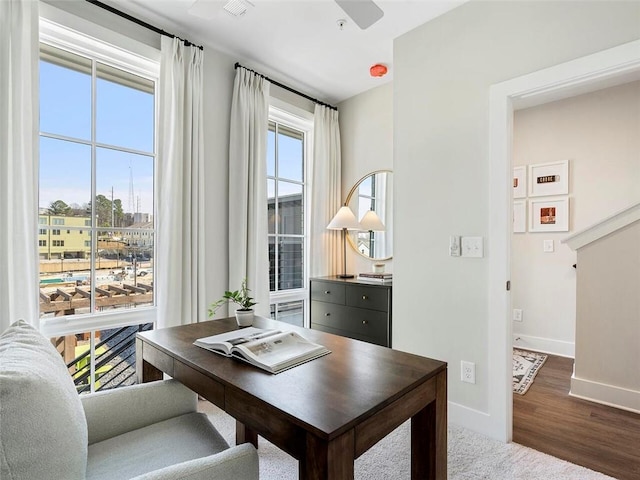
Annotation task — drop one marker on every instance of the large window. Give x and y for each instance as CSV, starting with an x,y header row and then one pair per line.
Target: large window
x,y
96,204
287,155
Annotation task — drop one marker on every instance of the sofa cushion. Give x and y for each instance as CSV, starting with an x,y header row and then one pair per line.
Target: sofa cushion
x,y
43,431
157,446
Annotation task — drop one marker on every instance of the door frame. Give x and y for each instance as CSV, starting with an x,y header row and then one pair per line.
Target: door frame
x,y
593,72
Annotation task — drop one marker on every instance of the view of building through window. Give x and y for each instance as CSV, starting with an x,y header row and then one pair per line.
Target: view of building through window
x,y
96,206
286,189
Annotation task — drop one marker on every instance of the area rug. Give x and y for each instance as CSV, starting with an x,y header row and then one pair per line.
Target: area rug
x,y
525,368
471,456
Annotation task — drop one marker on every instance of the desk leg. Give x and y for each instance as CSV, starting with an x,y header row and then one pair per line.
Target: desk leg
x,y
245,435
429,436
144,370
328,460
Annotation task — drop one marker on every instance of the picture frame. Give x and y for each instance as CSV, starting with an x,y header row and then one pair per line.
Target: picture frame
x,y
549,214
519,216
549,179
520,182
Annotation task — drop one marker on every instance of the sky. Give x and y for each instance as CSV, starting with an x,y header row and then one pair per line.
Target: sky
x,y
124,119
290,164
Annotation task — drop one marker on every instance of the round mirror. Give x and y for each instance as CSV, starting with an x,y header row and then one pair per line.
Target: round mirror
x,y
370,199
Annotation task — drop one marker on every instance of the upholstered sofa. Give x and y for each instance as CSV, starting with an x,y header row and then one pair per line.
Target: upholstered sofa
x,y
148,431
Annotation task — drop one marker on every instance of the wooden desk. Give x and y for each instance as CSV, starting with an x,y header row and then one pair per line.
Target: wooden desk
x,y
325,413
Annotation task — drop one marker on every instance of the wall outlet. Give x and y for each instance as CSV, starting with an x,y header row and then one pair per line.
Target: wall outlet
x,y
547,246
517,314
468,372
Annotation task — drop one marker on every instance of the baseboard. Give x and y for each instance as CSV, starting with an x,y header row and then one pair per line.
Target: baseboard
x,y
545,345
472,419
609,395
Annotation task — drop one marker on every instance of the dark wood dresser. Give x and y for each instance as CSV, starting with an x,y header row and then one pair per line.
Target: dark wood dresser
x,y
352,308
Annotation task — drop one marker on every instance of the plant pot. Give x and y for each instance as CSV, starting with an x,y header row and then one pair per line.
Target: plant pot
x,y
244,317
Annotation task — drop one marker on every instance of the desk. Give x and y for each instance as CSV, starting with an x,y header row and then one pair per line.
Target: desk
x,y
325,413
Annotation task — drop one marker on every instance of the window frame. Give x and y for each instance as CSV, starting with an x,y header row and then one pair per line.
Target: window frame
x,y
141,60
300,120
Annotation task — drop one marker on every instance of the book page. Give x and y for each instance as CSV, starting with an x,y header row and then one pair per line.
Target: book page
x,y
225,342
278,351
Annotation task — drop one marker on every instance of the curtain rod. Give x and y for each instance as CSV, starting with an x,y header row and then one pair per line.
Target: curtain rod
x,y
315,100
146,25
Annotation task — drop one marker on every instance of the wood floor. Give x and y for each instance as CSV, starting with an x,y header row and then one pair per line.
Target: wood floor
x,y
595,436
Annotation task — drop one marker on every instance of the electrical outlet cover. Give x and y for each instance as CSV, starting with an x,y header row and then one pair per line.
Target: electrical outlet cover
x,y
468,372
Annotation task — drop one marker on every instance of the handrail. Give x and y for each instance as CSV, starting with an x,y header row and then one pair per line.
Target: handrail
x,y
604,227
81,375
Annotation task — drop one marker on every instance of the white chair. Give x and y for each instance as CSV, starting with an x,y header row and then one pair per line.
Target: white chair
x,y
150,431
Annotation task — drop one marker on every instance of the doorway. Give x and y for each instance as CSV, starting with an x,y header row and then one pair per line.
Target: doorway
x,y
607,68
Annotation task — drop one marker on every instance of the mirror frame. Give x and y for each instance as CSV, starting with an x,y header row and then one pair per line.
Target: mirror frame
x,y
353,190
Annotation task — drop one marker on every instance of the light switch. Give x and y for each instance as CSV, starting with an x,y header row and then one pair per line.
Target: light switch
x,y
547,246
472,247
454,246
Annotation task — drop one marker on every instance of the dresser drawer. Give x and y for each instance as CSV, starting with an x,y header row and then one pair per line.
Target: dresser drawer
x,y
370,323
328,292
371,298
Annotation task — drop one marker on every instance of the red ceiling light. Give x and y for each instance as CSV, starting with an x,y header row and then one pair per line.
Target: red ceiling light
x,y
378,70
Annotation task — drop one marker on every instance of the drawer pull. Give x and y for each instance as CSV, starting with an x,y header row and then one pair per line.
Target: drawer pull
x,y
365,322
364,297
327,292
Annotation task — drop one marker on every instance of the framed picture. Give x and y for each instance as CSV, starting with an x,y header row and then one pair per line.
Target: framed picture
x,y
519,182
519,216
549,214
549,179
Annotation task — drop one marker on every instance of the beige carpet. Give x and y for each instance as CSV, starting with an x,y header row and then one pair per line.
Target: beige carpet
x,y
470,457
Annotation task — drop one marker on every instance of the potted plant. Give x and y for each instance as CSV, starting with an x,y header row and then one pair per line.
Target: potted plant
x,y
244,314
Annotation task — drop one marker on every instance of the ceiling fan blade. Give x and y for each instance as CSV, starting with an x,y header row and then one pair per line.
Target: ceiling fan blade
x,y
364,12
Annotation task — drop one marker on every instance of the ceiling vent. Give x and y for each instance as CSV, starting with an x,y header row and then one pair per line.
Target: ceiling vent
x,y
237,8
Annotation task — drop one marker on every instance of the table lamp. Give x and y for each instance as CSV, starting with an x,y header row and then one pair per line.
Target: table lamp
x,y
344,220
371,222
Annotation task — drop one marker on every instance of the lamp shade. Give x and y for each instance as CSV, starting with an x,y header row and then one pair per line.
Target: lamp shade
x,y
371,222
344,219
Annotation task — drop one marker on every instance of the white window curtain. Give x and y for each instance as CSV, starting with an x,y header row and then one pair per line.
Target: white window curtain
x,y
18,162
248,241
180,227
325,245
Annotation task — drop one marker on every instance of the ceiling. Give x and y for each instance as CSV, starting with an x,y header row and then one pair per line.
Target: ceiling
x,y
296,42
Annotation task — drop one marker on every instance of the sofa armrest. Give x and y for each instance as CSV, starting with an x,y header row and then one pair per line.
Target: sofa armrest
x,y
240,462
121,410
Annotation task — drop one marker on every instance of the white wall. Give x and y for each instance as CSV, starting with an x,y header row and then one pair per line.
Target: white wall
x,y
218,80
608,326
600,135
443,72
366,136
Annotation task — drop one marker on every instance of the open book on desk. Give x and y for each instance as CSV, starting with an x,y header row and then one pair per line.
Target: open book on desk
x,y
271,350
